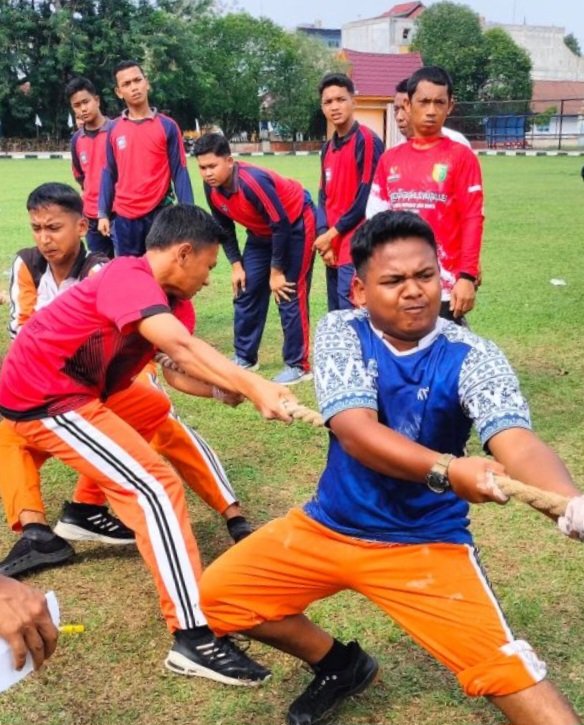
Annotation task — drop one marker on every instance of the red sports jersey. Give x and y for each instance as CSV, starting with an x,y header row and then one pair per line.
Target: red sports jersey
x,y
347,168
88,160
85,345
142,157
443,185
262,201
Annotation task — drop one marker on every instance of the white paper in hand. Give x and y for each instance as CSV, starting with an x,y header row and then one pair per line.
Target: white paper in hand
x,y
8,675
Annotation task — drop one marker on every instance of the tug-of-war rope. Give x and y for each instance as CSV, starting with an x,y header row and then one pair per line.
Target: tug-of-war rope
x,y
549,503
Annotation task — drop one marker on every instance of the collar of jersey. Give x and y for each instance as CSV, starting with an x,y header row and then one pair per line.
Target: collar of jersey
x,y
153,114
340,141
423,342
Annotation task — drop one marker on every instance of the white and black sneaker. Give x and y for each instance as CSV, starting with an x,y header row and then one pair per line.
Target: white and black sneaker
x,y
87,522
198,653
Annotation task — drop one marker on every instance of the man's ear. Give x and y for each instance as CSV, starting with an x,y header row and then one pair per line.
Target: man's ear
x,y
450,106
83,226
184,251
358,292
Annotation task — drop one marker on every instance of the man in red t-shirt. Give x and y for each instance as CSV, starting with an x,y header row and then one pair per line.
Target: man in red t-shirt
x,y
64,391
348,162
441,181
88,155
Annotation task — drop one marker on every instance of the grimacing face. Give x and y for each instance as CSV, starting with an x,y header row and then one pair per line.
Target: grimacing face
x,y
195,267
400,286
57,232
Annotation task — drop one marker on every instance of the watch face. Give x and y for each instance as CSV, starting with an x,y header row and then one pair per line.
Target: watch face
x,y
437,482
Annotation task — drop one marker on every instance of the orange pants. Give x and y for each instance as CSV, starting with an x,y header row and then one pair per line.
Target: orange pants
x,y
192,457
108,444
436,592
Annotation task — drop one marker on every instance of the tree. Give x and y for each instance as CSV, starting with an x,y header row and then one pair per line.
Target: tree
x,y
572,42
508,69
450,35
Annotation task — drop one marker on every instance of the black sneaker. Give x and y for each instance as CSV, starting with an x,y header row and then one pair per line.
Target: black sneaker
x,y
216,658
38,547
238,527
329,689
86,522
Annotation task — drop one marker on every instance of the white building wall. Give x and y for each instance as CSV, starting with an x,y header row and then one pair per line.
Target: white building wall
x,y
378,35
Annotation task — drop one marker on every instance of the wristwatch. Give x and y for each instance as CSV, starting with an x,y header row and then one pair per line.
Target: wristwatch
x,y
437,479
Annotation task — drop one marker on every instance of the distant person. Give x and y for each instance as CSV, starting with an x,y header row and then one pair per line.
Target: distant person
x,y
348,161
441,181
144,154
280,221
88,155
402,118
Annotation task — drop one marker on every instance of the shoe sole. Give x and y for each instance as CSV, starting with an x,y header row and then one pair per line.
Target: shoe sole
x,y
38,560
303,379
357,690
181,665
76,533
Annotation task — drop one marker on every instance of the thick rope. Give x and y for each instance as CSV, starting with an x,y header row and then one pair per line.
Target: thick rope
x,y
544,501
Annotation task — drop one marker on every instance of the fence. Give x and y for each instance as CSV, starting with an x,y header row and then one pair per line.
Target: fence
x,y
540,124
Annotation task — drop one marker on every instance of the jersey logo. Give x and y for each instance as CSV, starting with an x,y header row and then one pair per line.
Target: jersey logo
x,y
439,172
121,142
394,174
83,158
328,175
423,393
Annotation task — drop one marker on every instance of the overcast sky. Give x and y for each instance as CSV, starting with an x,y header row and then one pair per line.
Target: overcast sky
x,y
568,14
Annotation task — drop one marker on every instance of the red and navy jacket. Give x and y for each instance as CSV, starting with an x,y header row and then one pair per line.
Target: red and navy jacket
x,y
87,161
262,201
348,166
142,157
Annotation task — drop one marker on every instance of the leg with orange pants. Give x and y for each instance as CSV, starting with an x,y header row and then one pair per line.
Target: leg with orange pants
x,y
436,592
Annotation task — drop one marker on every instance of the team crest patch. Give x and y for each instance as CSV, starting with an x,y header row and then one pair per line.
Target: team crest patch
x,y
328,175
394,174
121,142
440,172
83,158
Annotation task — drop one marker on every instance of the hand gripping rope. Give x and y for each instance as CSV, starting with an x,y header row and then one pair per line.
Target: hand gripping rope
x,y
544,501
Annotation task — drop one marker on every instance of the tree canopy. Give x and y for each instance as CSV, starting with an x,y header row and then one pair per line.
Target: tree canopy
x,y
229,69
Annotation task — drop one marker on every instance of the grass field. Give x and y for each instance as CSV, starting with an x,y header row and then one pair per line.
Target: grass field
x,y
113,672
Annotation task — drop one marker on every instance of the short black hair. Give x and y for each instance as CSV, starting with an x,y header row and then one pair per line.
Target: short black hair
x,y
124,65
402,86
55,193
433,74
79,84
336,79
184,223
384,228
212,143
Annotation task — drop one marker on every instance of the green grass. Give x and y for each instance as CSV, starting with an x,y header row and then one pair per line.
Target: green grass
x,y
113,673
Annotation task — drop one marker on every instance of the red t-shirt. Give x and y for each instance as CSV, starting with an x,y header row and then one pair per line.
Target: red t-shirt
x,y
85,345
88,160
442,184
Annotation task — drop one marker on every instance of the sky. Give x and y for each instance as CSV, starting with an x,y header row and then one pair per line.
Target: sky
x,y
568,14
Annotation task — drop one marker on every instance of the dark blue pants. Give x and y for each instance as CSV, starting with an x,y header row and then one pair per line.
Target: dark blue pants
x,y
129,235
251,307
97,242
338,287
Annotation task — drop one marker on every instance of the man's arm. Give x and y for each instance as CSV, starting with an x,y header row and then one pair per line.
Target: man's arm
x,y
203,362
178,163
109,177
22,296
25,622
75,162
378,199
528,459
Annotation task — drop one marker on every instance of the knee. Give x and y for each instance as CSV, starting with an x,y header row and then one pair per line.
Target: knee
x,y
515,667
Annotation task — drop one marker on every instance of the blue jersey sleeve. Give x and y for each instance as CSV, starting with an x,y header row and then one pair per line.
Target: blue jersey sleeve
x,y
177,160
321,222
230,243
109,177
343,380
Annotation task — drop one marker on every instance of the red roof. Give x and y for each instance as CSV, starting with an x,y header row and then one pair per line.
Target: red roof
x,y
404,10
551,93
377,74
